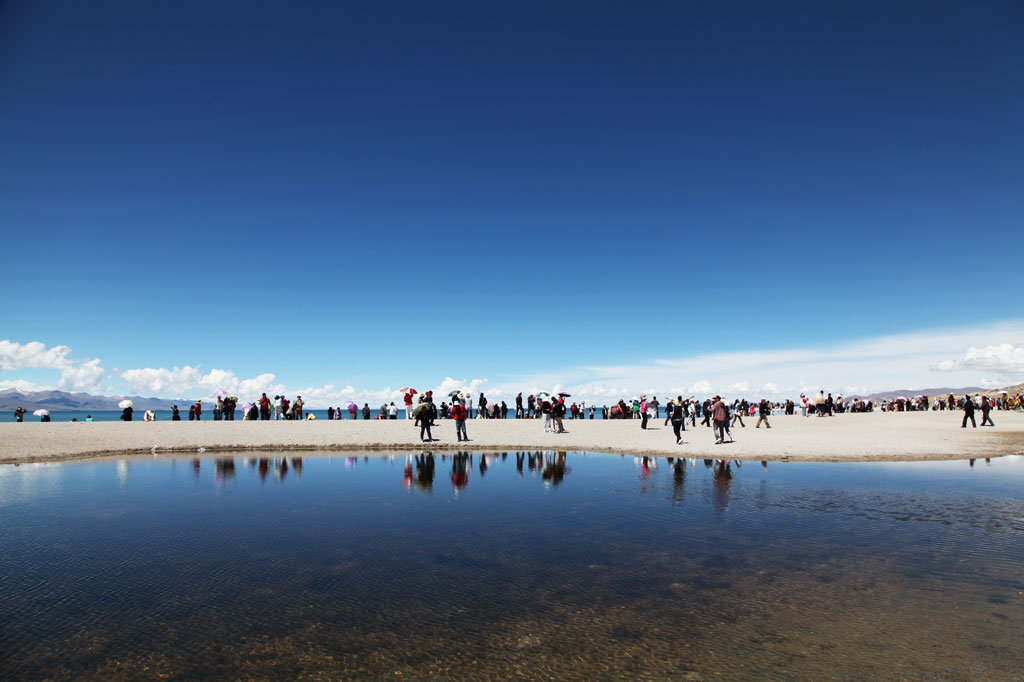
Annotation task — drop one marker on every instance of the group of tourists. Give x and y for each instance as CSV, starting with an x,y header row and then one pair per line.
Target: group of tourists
x,y
553,410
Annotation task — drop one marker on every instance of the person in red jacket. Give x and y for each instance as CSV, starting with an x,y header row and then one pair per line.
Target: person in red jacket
x,y
459,414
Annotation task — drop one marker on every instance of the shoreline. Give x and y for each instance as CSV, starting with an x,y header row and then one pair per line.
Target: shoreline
x,y
871,437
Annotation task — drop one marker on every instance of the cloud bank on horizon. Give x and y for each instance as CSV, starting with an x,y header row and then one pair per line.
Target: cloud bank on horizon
x,y
985,355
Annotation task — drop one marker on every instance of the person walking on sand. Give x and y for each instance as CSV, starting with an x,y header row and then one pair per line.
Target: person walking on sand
x,y
675,410
737,415
968,413
763,410
986,407
643,412
459,414
719,414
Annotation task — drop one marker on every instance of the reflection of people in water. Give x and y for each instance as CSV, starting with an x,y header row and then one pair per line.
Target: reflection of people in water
x,y
483,466
678,480
264,468
555,469
195,467
723,479
519,463
460,471
709,463
223,469
425,472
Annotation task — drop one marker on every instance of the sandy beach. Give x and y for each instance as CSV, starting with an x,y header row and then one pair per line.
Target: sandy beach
x,y
849,437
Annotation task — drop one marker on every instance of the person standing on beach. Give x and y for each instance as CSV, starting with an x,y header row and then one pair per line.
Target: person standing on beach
x,y
392,411
557,413
519,406
986,407
199,410
720,415
545,409
264,408
968,413
643,412
531,404
19,414
426,419
459,414
408,405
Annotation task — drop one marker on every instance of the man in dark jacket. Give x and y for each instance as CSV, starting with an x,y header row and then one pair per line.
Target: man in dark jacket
x,y
557,413
675,411
968,413
986,407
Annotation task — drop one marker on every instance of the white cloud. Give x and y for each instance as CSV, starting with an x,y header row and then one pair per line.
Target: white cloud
x,y
1004,358
33,355
182,381
75,375
86,377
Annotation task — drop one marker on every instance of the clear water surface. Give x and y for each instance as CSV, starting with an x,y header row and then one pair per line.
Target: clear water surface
x,y
506,566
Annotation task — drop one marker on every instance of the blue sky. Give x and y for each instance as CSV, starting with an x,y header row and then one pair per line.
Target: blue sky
x,y
372,195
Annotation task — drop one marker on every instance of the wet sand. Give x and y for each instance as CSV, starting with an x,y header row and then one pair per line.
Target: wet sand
x,y
849,437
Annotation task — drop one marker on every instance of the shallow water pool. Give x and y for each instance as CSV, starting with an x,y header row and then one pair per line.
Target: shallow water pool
x,y
498,566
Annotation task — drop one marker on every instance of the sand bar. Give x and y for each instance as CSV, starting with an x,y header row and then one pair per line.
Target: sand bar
x,y
849,437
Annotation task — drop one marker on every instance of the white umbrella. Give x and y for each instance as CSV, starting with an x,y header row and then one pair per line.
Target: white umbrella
x,y
124,403
41,413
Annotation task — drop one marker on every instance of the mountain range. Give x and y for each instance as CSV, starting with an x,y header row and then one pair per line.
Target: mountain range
x,y
61,400
914,392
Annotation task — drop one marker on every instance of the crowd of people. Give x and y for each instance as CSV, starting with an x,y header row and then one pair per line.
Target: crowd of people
x,y
553,410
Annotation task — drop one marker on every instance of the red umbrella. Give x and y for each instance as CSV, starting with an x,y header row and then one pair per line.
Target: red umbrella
x,y
408,391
